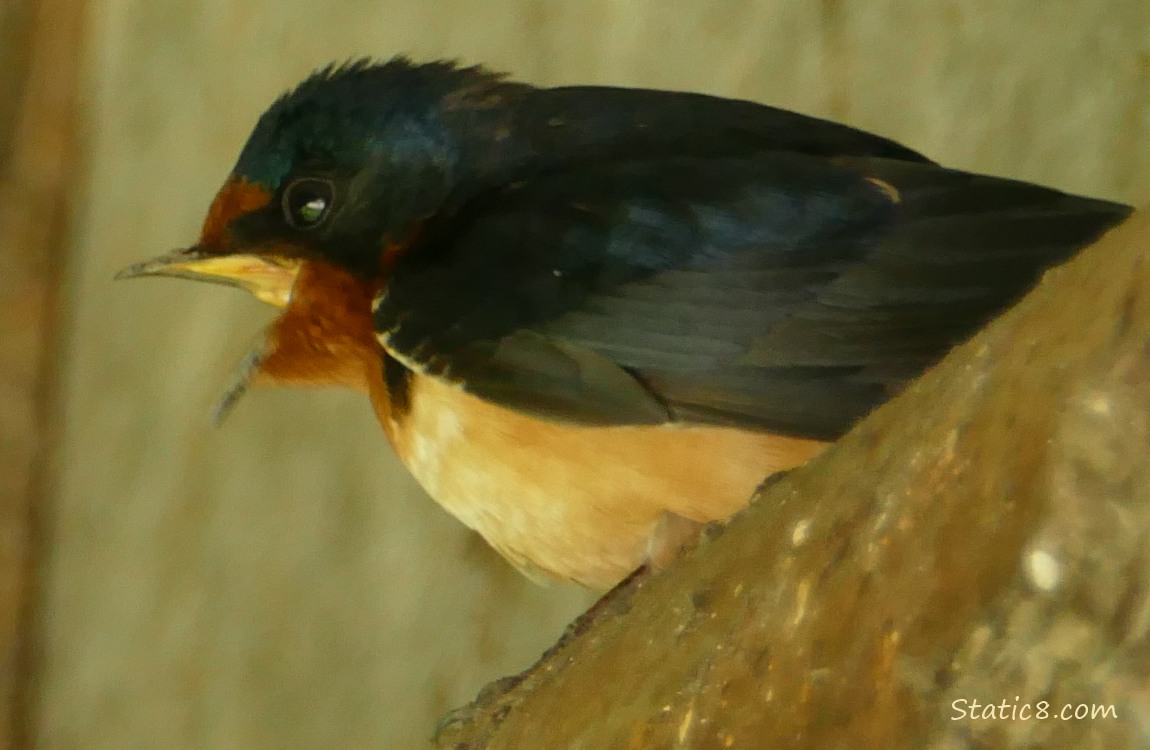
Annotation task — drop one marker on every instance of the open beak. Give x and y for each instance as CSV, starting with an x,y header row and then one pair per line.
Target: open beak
x,y
269,279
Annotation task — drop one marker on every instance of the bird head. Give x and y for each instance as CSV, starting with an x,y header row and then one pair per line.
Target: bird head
x,y
339,170
335,179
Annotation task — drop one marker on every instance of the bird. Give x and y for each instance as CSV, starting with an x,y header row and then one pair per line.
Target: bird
x,y
591,320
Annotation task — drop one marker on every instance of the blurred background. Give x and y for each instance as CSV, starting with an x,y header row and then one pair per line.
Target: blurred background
x,y
280,582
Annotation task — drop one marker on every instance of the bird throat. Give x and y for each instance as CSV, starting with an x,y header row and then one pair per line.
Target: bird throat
x,y
323,337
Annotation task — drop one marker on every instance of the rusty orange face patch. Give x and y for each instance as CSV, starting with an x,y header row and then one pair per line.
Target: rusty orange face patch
x,y
323,337
236,198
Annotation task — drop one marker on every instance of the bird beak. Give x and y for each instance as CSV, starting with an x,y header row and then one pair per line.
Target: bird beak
x,y
270,279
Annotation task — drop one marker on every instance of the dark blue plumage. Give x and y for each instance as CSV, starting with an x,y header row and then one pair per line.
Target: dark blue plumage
x,y
407,142
616,256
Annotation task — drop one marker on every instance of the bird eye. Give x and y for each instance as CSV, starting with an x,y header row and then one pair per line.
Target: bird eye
x,y
307,202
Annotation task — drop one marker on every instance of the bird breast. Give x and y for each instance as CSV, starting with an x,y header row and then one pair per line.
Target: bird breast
x,y
586,504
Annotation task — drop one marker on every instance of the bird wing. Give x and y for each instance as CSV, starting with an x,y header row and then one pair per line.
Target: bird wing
x,y
584,122
780,291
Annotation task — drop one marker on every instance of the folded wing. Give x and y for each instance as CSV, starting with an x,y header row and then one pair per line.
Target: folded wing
x,y
777,291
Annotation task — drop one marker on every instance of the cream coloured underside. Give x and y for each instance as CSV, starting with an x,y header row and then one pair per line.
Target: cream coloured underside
x,y
585,504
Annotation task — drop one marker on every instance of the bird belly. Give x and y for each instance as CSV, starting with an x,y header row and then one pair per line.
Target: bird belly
x,y
581,503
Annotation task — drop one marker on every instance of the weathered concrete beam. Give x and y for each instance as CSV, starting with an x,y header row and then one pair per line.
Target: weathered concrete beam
x,y
983,537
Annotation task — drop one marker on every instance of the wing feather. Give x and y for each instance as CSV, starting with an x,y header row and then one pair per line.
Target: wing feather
x,y
775,291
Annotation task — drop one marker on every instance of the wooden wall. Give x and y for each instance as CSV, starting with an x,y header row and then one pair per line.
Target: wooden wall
x,y
40,71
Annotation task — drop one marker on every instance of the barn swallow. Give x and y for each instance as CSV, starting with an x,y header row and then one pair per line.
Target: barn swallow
x,y
591,319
